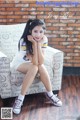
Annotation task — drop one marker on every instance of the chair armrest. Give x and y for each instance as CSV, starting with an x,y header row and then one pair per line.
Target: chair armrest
x,y
54,59
52,56
2,54
5,85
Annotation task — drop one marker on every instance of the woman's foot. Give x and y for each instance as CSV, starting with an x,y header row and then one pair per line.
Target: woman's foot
x,y
54,100
17,106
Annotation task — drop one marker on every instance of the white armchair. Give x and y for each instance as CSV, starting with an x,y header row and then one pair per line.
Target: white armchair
x,y
10,79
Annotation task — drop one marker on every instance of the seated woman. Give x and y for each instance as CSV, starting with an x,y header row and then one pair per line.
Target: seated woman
x,y
30,60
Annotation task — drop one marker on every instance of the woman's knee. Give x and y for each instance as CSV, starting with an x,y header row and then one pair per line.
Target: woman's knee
x,y
41,66
34,67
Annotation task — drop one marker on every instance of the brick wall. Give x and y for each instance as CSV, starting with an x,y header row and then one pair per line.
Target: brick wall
x,y
63,24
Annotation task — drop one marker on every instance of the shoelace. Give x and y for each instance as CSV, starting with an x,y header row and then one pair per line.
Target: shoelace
x,y
18,103
55,98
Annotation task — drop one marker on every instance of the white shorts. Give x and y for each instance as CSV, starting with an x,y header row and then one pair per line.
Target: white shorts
x,y
17,61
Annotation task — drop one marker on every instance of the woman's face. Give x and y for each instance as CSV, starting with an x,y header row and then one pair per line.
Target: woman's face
x,y
38,33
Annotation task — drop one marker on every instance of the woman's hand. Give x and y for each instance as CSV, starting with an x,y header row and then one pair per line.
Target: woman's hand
x,y
31,39
42,39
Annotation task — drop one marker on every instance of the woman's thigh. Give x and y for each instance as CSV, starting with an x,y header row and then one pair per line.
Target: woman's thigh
x,y
24,67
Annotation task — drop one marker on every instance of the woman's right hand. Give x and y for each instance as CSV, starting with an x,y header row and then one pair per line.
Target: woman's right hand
x,y
31,39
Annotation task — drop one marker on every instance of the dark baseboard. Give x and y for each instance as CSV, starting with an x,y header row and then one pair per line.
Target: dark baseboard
x,y
71,71
8,102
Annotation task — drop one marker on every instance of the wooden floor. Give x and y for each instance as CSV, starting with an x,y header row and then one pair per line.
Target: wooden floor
x,y
36,107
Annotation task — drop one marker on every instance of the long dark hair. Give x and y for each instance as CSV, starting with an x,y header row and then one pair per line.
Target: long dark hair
x,y
27,31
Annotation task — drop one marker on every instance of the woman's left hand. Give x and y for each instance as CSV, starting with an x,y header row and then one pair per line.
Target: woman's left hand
x,y
42,39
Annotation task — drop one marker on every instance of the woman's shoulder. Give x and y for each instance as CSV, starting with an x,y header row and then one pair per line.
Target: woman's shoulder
x,y
22,45
44,42
45,39
22,41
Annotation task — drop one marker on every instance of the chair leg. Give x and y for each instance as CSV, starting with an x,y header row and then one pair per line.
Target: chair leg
x,y
7,102
1,102
56,91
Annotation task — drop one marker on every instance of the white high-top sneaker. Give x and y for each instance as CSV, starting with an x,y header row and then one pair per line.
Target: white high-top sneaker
x,y
17,106
54,100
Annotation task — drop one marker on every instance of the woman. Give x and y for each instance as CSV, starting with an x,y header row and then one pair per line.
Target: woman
x,y
30,60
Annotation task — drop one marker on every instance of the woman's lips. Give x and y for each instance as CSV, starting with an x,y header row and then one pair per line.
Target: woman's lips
x,y
37,38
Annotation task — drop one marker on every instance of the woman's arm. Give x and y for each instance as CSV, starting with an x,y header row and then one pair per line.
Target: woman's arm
x,y
41,50
40,54
34,57
35,54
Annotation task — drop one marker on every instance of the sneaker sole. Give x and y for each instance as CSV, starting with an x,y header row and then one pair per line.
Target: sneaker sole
x,y
16,112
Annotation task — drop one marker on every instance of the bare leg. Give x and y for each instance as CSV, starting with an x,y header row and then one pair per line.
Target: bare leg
x,y
46,81
45,77
31,71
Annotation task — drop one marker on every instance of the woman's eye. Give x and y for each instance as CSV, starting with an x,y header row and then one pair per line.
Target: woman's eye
x,y
35,31
41,31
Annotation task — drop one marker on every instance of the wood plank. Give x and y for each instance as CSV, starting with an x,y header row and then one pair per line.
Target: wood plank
x,y
37,107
